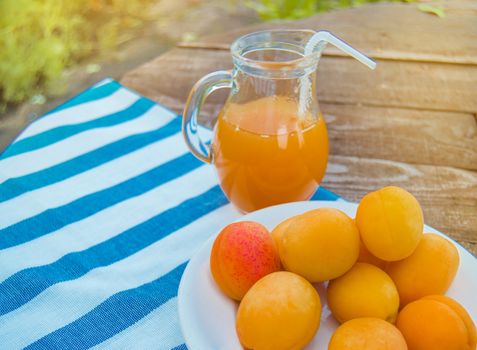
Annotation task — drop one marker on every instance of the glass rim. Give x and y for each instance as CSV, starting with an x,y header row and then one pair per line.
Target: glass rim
x,y
238,50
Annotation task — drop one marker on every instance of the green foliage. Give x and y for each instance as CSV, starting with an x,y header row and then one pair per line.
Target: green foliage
x,y
269,10
40,38
435,10
283,9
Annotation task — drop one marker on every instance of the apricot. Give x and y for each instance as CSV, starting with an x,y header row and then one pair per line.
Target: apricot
x,y
428,324
430,269
367,333
320,245
390,223
366,257
464,315
364,291
279,230
242,253
280,312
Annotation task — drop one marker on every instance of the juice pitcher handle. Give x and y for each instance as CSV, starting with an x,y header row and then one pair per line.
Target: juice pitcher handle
x,y
203,88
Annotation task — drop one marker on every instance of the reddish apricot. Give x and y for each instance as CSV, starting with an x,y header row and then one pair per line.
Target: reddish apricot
x,y
242,253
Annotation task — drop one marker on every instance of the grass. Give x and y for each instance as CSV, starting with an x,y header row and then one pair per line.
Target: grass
x,y
40,38
270,10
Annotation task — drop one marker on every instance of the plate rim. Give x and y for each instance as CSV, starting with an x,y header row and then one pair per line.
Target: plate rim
x,y
209,242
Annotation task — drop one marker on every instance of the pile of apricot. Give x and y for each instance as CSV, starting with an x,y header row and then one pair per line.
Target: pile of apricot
x,y
385,279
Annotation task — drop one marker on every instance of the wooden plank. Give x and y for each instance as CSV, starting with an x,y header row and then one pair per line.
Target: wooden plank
x,y
447,195
169,78
432,86
457,7
401,134
386,31
406,112
406,135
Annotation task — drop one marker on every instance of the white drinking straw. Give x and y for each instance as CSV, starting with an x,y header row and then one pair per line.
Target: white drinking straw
x,y
317,44
323,37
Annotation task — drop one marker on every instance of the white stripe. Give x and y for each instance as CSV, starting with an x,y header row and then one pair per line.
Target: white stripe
x,y
94,180
103,224
160,330
27,163
67,301
119,100
102,82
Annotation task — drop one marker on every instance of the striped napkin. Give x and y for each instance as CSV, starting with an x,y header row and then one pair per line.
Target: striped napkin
x,y
98,200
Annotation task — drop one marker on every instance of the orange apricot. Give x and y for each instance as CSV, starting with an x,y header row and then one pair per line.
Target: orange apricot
x,y
320,245
364,291
279,230
242,253
432,325
367,333
280,312
366,257
430,269
390,223
463,314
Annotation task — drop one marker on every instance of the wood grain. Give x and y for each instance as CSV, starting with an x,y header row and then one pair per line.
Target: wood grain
x,y
402,134
387,31
405,135
432,86
410,123
447,195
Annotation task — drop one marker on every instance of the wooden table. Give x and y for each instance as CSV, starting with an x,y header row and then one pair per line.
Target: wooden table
x,y
410,123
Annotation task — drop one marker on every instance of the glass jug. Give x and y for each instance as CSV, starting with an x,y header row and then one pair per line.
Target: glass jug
x,y
270,142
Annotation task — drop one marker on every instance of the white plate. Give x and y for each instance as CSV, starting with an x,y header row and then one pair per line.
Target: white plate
x,y
207,316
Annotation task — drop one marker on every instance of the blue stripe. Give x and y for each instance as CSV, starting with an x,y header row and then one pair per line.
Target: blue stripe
x,y
93,93
115,314
180,347
60,133
322,194
88,95
55,218
23,286
19,185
